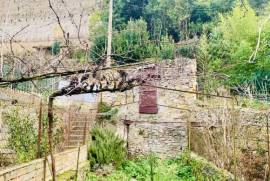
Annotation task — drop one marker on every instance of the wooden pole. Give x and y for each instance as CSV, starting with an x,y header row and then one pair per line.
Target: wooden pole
x,y
234,140
109,46
268,146
50,132
39,130
78,162
44,163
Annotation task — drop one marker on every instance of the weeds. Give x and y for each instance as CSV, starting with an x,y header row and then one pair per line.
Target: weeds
x,y
187,167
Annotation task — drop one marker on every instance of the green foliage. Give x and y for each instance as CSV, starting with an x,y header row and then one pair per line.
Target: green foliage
x,y
261,83
125,11
98,26
192,167
115,176
56,47
188,51
138,168
132,44
23,138
106,113
179,19
98,49
187,167
22,135
129,45
228,53
167,48
259,5
106,148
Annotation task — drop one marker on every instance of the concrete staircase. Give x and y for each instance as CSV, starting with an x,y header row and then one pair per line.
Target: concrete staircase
x,y
78,130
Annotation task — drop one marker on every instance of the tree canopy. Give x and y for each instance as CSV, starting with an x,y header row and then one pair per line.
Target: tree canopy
x,y
234,36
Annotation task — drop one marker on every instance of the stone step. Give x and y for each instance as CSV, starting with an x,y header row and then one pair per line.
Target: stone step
x,y
77,132
80,123
76,137
74,143
77,128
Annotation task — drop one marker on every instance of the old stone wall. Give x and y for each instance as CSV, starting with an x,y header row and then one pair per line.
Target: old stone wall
x,y
164,139
164,132
41,23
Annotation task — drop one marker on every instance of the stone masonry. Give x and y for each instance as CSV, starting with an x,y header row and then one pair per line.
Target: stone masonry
x,y
165,132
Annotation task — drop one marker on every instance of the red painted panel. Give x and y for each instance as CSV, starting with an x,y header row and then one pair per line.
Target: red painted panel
x,y
148,95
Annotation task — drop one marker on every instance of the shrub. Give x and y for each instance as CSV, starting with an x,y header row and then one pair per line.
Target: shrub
x,y
167,48
23,134
192,167
188,51
98,49
130,45
106,148
106,113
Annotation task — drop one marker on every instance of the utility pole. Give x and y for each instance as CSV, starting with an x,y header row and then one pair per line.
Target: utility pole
x,y
109,47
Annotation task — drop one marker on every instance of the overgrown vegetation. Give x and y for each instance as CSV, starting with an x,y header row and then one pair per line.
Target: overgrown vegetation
x,y
228,56
133,44
23,134
187,167
234,35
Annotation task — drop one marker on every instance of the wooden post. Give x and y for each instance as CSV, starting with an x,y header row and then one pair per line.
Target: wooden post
x,y
39,130
50,135
268,146
44,166
78,162
234,140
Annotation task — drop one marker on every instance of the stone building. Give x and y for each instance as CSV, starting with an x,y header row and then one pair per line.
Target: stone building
x,y
155,118
37,24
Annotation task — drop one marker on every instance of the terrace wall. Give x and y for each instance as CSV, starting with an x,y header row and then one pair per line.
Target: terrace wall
x,y
34,170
